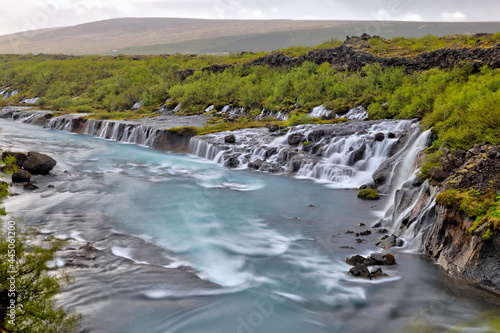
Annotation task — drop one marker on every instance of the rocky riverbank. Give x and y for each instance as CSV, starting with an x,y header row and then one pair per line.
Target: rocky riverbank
x,y
443,230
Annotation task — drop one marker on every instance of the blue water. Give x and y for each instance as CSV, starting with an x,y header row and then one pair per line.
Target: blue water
x,y
188,246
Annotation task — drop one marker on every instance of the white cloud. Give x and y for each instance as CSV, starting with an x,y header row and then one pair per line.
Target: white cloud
x,y
383,15
257,13
310,17
412,17
456,16
274,10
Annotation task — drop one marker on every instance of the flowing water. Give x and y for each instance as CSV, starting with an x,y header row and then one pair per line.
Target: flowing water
x,y
185,245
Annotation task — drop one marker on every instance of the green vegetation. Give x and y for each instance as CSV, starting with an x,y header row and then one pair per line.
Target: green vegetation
x,y
368,194
485,208
23,268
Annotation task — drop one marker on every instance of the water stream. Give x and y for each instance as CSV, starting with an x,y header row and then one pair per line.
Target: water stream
x,y
186,245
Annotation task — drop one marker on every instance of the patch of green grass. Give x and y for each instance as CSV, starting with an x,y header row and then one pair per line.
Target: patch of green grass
x,y
484,207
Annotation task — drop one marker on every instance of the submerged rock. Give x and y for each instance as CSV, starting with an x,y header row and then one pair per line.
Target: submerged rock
x,y
30,186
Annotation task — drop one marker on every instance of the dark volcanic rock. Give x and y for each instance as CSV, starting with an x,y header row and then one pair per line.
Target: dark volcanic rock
x,y
229,138
377,273
21,176
360,270
387,242
479,171
379,137
357,155
20,157
30,186
295,139
355,260
39,164
272,128
388,260
438,174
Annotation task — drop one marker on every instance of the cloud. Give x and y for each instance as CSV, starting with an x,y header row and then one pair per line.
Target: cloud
x,y
456,16
383,15
412,17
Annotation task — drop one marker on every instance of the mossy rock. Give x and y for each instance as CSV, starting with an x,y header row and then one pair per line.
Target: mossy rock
x,y
368,194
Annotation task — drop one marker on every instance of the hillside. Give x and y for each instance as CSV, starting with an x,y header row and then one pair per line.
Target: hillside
x,y
172,35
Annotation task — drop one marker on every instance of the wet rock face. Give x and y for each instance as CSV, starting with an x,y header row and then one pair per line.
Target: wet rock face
x,y
295,138
464,255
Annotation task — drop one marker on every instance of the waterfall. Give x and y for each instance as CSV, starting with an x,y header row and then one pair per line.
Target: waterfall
x,y
358,113
320,111
344,155
202,148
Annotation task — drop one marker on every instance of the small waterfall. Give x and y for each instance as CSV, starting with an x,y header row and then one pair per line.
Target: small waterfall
x,y
320,111
410,208
204,149
357,113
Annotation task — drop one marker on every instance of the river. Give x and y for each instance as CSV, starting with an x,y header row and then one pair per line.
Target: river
x,y
186,245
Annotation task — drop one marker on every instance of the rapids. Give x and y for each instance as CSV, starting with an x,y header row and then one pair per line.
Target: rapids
x,y
186,245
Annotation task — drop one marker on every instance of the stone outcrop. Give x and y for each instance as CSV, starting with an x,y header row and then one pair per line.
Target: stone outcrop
x,y
464,255
352,55
444,230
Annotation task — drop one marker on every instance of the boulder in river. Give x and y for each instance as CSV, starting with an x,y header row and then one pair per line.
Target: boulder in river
x,y
39,164
229,138
21,176
360,270
379,137
387,242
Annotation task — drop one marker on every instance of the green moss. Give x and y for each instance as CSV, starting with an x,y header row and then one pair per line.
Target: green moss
x,y
485,208
431,159
184,131
368,194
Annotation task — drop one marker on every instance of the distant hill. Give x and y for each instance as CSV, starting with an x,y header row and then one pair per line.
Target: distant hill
x,y
172,35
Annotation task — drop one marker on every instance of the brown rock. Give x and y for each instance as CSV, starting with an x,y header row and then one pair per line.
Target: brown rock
x,y
21,176
39,164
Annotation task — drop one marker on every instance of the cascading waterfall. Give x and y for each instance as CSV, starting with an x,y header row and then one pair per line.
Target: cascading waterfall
x,y
122,132
343,159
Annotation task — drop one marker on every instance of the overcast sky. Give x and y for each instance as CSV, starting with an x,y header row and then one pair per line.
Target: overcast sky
x,y
23,15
